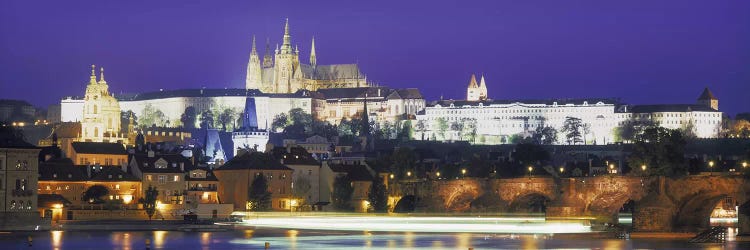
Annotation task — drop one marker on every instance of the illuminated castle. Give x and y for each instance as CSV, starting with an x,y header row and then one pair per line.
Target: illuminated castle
x,y
284,73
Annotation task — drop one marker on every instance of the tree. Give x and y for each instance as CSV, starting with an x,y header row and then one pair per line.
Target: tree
x,y
544,135
152,116
342,193
632,129
94,194
301,188
207,119
662,150
149,201
189,117
469,129
258,195
741,129
572,129
226,117
421,127
377,197
442,125
280,121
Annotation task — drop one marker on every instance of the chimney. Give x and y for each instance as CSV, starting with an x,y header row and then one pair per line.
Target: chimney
x,y
182,166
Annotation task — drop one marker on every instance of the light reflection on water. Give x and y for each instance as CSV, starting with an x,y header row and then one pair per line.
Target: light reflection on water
x,y
312,239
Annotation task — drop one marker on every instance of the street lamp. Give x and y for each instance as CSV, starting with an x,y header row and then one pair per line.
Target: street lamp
x,y
711,167
392,176
463,172
562,169
437,174
408,173
744,164
531,169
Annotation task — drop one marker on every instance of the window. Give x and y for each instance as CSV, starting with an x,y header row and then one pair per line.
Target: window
x,y
148,177
176,178
117,186
162,179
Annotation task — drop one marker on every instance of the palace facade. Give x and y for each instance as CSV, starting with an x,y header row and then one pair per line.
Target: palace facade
x,y
488,121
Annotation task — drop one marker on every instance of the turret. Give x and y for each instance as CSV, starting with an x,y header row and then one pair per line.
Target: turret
x,y
92,78
101,76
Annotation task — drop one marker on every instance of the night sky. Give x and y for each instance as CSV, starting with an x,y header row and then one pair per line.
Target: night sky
x,y
645,52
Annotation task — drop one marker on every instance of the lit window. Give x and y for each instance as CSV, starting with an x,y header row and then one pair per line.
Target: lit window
x,y
162,179
117,187
176,178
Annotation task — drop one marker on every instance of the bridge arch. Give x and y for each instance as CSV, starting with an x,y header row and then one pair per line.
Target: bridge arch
x,y
695,212
530,202
609,203
460,200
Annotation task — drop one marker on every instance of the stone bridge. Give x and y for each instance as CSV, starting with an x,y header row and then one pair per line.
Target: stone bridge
x,y
661,204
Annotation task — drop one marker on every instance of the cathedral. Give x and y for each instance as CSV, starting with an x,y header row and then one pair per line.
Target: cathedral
x,y
283,72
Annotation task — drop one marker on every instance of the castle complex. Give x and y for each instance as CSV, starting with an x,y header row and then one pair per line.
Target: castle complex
x,y
284,73
278,83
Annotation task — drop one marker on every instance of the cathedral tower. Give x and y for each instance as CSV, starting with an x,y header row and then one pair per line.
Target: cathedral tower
x,y
472,92
253,80
482,89
286,64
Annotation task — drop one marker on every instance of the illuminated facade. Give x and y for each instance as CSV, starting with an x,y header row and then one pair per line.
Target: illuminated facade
x,y
71,182
165,172
101,153
101,112
237,175
489,121
284,73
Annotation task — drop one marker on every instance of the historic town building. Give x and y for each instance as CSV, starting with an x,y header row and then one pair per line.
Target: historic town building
x,y
285,73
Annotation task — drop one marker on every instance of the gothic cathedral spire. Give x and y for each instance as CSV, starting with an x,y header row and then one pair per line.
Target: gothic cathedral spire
x,y
482,89
313,59
253,77
286,47
267,58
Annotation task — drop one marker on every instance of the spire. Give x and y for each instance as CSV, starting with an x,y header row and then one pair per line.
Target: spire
x,y
313,59
286,47
101,76
267,58
296,49
481,82
277,48
92,79
253,51
473,81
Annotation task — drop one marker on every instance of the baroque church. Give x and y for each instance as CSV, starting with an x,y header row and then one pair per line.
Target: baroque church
x,y
283,72
101,112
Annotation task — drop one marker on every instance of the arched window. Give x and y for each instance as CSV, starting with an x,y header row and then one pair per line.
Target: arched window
x,y
95,109
13,204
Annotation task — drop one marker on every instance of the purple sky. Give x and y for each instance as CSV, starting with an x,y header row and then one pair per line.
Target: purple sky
x,y
640,51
